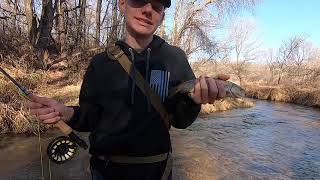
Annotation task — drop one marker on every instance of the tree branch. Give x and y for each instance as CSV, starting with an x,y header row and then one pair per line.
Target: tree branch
x,y
10,12
4,17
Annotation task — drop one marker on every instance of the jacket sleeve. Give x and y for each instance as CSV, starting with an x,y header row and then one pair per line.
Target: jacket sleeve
x,y
87,111
183,109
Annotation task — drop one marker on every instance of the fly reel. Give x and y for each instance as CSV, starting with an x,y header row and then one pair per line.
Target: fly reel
x,y
61,149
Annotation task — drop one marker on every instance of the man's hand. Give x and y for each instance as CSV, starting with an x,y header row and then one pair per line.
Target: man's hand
x,y
48,110
207,89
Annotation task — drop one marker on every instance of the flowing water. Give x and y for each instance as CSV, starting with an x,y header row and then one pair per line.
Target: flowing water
x,y
268,141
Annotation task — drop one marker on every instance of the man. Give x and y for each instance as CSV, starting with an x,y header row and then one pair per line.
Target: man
x,y
121,119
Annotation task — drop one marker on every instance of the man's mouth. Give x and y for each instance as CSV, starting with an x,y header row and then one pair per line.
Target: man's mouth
x,y
146,21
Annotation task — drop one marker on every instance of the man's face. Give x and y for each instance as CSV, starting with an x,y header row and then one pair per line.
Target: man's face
x,y
142,19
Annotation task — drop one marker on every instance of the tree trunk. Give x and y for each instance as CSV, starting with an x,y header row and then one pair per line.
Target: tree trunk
x,y
61,25
15,11
81,25
122,28
114,26
175,22
45,25
98,22
279,78
31,20
44,38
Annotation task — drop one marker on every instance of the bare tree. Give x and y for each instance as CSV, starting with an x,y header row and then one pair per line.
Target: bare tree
x,y
271,62
98,21
67,27
81,23
244,46
45,25
302,55
285,54
31,19
115,23
195,18
15,13
61,25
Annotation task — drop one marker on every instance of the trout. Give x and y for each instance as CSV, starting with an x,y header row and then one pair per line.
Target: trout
x,y
232,90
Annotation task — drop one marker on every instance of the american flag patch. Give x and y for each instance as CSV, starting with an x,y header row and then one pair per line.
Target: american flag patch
x,y
159,82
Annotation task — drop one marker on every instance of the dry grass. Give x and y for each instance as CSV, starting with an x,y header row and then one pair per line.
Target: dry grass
x,y
226,104
69,95
302,96
17,121
18,58
21,64
13,116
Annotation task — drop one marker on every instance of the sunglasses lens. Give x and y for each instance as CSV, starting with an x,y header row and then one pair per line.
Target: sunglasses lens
x,y
156,5
138,3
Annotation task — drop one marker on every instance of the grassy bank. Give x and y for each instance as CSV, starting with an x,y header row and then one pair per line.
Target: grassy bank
x,y
297,95
63,87
226,104
13,116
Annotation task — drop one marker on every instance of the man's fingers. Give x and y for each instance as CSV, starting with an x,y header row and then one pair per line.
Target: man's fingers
x,y
204,90
223,77
207,90
41,111
213,90
45,101
33,105
221,89
41,100
197,92
46,117
32,97
52,120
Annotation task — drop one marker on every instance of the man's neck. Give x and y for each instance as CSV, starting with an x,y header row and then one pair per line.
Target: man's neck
x,y
137,42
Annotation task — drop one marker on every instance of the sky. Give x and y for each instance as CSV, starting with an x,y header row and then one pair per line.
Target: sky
x,y
277,20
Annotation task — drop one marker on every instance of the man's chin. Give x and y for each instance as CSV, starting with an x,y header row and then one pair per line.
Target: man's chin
x,y
144,33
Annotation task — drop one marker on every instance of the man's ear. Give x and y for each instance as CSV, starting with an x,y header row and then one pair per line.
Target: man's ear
x,y
122,4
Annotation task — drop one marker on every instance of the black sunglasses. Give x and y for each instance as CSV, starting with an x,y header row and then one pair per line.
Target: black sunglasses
x,y
156,5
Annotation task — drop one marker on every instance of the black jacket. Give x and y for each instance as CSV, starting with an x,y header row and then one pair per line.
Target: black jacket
x,y
118,115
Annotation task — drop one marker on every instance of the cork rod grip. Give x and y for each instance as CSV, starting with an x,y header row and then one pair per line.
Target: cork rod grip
x,y
64,127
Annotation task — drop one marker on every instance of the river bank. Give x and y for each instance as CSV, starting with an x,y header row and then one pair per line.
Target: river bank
x,y
289,94
226,104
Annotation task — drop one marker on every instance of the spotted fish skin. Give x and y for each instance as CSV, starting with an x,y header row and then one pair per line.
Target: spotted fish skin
x,y
232,89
